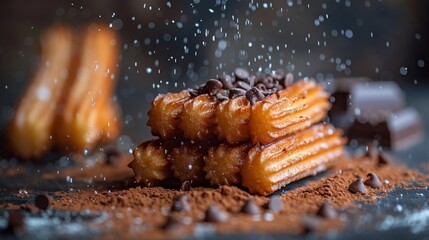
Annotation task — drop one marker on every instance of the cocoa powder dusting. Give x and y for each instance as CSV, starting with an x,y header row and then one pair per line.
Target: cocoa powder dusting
x,y
142,211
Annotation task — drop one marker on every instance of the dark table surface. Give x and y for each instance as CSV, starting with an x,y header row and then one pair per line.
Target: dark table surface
x,y
404,214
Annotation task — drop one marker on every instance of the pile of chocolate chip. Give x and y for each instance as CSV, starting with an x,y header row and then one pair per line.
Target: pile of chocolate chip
x,y
254,87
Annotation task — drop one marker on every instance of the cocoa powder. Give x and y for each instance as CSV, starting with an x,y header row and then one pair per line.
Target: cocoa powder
x,y
141,211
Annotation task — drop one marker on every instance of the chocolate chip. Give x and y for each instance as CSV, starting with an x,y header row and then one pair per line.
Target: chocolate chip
x,y
186,185
251,208
288,80
243,85
241,74
193,92
327,211
277,76
275,204
112,155
357,186
226,82
254,95
42,201
181,204
261,87
373,180
384,159
222,95
259,79
214,214
311,223
15,223
173,224
372,152
269,82
251,80
278,87
201,89
236,92
213,86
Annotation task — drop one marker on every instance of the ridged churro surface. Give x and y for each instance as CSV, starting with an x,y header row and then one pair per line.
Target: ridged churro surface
x,y
262,169
233,120
260,132
223,164
204,117
164,115
270,167
150,164
299,106
187,163
198,119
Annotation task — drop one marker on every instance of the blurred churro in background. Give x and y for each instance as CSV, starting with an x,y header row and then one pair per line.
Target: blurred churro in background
x,y
69,102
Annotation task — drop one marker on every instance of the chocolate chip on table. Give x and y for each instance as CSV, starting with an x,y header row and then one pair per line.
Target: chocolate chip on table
x,y
173,224
357,186
241,74
372,152
384,159
42,201
327,211
251,208
15,223
186,186
213,86
254,95
214,214
236,92
373,181
112,155
275,204
226,81
181,204
311,223
243,85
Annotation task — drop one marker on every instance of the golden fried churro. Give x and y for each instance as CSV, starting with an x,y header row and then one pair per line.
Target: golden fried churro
x,y
295,108
187,163
164,115
259,131
270,167
31,128
223,164
233,120
198,119
87,116
236,119
150,164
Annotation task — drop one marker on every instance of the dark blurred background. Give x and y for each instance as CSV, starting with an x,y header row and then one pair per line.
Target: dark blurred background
x,y
187,42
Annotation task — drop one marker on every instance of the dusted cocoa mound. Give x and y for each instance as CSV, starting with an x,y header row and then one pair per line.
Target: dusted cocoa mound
x,y
150,212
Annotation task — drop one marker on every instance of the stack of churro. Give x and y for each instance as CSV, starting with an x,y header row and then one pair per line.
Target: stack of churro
x,y
68,104
261,132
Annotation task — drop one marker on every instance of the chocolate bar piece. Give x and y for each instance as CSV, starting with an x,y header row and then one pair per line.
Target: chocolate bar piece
x,y
397,131
379,99
340,90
